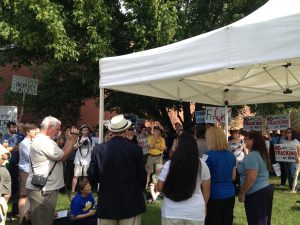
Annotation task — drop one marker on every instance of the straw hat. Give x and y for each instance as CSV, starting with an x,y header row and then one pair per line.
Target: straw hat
x,y
118,123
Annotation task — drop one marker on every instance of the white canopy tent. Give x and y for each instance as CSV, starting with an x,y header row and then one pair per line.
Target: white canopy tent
x,y
254,60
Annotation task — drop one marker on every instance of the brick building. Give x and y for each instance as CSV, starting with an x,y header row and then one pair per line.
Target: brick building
x,y
89,112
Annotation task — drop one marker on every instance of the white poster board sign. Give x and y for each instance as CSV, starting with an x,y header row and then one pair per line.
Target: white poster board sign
x,y
216,114
143,143
278,122
285,153
253,123
24,85
7,113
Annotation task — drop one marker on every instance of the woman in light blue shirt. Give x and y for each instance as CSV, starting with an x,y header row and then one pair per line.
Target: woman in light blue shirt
x,y
256,191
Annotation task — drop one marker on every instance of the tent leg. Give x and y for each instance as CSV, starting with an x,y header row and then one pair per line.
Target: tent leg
x,y
101,114
226,121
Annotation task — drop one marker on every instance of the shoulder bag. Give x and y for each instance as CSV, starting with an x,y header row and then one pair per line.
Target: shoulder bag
x,y
38,180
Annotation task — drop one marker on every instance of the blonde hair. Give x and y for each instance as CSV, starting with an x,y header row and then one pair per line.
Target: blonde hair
x,y
215,139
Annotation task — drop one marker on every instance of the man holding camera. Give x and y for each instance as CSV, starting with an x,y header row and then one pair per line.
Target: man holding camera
x,y
46,170
82,158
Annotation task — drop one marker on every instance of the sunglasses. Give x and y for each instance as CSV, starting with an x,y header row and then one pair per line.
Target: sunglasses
x,y
130,129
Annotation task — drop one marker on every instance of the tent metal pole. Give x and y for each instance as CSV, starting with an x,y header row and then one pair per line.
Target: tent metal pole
x,y
226,121
101,114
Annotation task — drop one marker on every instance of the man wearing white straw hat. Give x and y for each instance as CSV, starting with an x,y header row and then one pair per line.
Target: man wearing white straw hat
x,y
118,166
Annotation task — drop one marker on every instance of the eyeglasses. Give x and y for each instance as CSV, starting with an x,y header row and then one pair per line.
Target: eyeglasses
x,y
288,132
130,129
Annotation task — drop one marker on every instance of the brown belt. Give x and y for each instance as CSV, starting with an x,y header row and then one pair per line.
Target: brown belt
x,y
155,155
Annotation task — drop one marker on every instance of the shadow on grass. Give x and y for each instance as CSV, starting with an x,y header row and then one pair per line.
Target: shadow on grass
x,y
153,214
296,207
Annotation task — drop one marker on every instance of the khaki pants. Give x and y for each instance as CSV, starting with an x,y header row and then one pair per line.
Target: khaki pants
x,y
3,210
152,161
42,206
166,221
129,221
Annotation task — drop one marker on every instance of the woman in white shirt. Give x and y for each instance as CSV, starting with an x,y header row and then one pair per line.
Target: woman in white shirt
x,y
292,167
181,180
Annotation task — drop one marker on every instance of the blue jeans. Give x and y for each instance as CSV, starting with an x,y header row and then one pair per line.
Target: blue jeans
x,y
291,168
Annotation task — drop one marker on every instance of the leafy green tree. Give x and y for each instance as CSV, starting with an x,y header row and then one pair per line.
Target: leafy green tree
x,y
62,42
154,23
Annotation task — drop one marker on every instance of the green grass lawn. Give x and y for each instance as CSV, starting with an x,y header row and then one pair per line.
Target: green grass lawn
x,y
285,210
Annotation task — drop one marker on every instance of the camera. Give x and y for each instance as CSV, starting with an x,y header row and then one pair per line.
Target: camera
x,y
85,142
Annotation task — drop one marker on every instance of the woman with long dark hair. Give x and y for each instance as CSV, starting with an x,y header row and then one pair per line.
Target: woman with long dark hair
x,y
256,191
181,180
291,167
222,166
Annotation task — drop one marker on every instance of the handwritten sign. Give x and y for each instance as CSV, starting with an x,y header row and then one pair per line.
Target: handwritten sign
x,y
285,153
7,113
253,123
278,122
24,85
216,114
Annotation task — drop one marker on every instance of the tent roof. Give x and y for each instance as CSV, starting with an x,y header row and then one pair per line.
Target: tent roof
x,y
254,60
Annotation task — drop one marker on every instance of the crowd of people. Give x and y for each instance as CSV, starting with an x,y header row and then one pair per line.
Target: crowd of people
x,y
198,175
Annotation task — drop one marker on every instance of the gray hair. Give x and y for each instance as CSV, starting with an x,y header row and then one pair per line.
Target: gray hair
x,y
49,121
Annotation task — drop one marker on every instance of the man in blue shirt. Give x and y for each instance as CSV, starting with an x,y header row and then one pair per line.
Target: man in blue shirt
x,y
11,138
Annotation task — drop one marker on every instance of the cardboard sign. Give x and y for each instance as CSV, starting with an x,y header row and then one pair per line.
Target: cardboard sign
x,y
24,85
200,116
253,123
285,153
7,113
216,114
278,122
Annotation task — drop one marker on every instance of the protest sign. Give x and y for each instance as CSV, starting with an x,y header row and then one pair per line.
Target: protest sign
x,y
143,143
278,122
7,113
276,168
24,85
253,123
216,114
200,116
285,153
